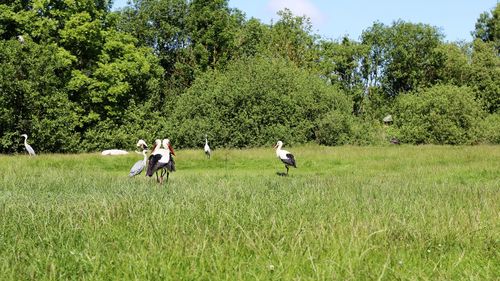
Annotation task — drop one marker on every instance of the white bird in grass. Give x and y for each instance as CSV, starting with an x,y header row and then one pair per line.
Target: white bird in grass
x,y
28,147
207,148
286,157
139,165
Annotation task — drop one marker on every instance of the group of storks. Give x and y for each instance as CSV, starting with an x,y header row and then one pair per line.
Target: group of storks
x,y
162,161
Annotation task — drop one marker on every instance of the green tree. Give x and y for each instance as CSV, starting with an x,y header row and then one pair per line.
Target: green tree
x,y
401,57
213,29
485,74
340,65
162,26
32,99
291,38
488,27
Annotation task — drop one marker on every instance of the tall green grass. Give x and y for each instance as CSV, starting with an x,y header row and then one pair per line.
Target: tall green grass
x,y
346,213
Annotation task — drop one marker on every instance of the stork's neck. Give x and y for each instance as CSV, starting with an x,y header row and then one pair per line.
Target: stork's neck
x,y
206,141
25,140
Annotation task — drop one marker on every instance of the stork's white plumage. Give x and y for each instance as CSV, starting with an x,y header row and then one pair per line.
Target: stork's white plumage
x,y
166,145
286,157
28,147
208,152
161,159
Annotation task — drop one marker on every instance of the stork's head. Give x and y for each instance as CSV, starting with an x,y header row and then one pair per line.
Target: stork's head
x,y
157,145
167,145
24,135
279,144
142,144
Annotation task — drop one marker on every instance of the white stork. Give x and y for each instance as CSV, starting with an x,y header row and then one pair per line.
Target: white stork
x,y
139,165
286,157
28,147
207,148
161,159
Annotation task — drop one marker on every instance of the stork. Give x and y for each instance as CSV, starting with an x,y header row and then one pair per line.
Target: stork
x,y
166,145
286,157
28,147
161,159
207,148
139,165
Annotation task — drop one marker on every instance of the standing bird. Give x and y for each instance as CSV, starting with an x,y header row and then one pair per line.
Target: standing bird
x,y
286,157
28,147
161,159
142,144
207,148
139,165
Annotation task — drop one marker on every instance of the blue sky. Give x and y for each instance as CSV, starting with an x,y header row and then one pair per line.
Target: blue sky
x,y
333,19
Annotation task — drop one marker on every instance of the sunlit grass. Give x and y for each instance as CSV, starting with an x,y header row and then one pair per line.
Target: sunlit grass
x,y
363,213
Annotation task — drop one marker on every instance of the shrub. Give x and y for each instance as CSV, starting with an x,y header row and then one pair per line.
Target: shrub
x,y
337,128
491,129
442,114
255,102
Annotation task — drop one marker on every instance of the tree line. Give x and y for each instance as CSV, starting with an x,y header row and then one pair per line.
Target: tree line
x,y
79,76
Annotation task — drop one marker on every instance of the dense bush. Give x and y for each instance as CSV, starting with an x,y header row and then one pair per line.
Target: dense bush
x,y
491,129
337,128
255,102
441,114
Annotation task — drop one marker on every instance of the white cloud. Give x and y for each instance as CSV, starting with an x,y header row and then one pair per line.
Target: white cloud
x,y
299,8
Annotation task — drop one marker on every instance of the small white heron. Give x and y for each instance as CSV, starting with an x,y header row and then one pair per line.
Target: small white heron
x,y
208,152
286,157
139,165
28,147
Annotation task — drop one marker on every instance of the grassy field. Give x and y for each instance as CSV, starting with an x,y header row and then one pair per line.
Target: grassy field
x,y
346,213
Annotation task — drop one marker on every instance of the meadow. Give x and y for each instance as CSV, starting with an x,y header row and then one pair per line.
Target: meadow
x,y
346,213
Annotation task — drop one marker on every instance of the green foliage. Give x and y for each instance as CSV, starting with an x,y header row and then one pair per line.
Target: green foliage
x,y
75,76
485,75
442,114
337,128
32,77
255,102
402,56
488,27
491,129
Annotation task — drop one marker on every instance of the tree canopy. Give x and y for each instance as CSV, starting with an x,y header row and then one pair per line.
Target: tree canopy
x,y
78,76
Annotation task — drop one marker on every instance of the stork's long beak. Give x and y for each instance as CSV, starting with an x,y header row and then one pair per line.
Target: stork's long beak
x,y
171,149
275,146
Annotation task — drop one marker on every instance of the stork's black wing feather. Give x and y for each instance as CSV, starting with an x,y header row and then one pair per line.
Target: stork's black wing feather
x,y
290,160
